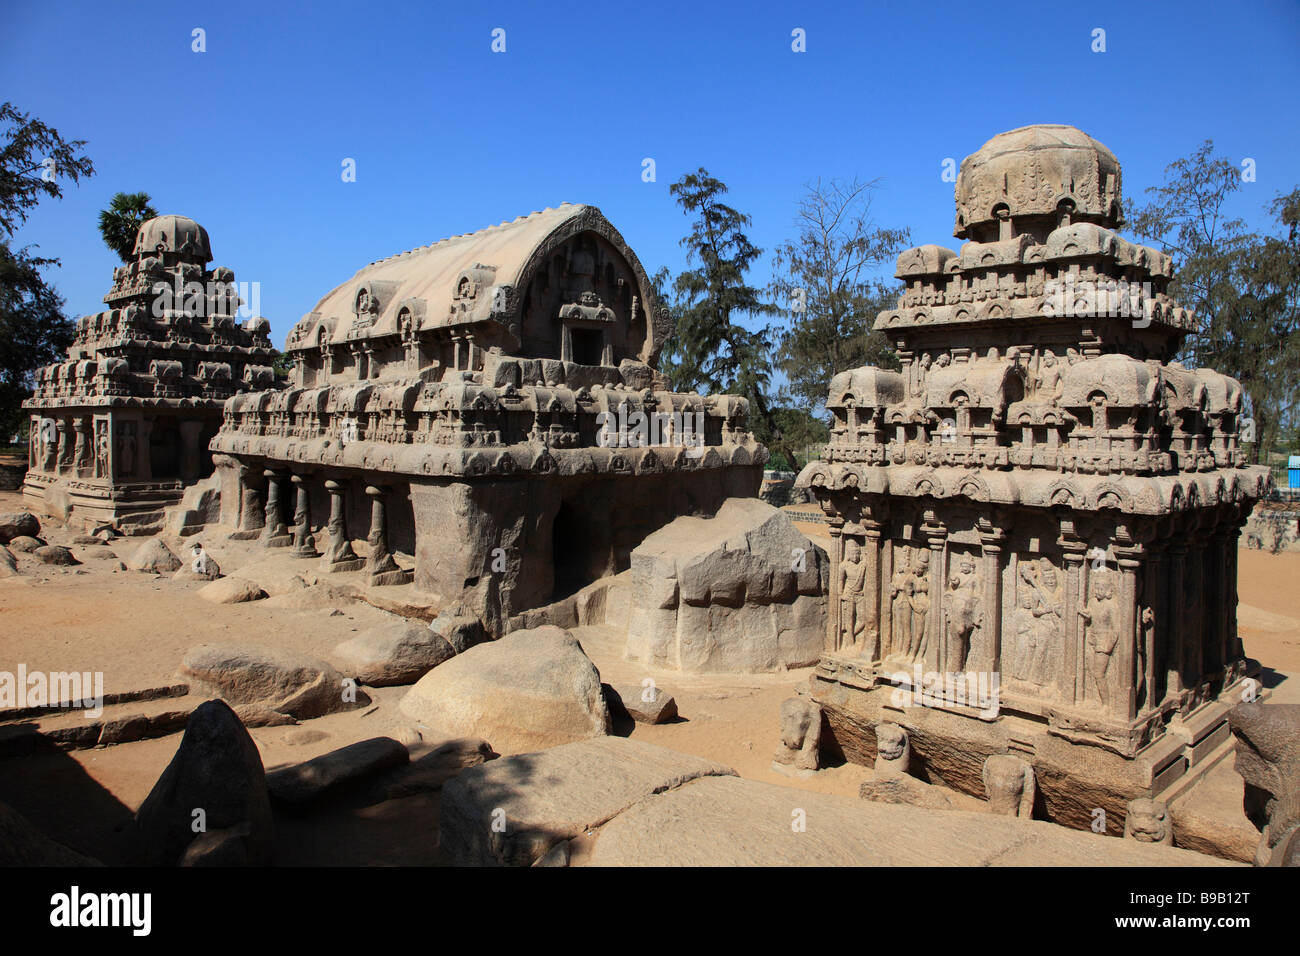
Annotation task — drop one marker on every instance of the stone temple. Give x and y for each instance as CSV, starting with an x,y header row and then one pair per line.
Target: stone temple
x,y
1035,521
121,426
487,405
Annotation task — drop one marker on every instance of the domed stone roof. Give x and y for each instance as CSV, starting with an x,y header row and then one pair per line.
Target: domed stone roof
x,y
1031,172
174,234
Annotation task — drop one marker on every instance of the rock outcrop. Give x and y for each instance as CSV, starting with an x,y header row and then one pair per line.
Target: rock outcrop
x,y
283,681
744,591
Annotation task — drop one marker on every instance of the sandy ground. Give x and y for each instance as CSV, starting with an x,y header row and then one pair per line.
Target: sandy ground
x,y
135,628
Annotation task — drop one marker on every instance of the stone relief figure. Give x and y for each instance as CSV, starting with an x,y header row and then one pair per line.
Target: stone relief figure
x,y
963,613
918,383
1049,378
900,597
1010,785
853,575
920,604
1147,821
49,444
102,450
1038,616
801,735
893,751
1102,619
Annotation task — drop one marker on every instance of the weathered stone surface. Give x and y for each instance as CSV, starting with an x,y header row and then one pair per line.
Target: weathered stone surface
x,y
742,591
548,797
903,789
727,821
18,524
312,779
281,680
276,577
231,591
8,563
218,770
261,715
526,691
55,554
25,543
1268,759
396,652
154,557
646,704
431,770
21,844
893,751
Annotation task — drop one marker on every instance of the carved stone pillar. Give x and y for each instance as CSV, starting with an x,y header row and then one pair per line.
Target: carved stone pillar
x,y
1070,679
1123,663
380,564
1174,660
834,625
871,637
274,533
65,438
190,451
304,545
82,462
252,506
937,536
339,555
985,656
144,460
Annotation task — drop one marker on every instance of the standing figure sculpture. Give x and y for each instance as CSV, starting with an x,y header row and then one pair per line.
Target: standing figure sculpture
x,y
853,574
1102,619
900,596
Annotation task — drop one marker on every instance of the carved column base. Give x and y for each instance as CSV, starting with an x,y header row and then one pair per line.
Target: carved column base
x,y
384,578
250,535
353,563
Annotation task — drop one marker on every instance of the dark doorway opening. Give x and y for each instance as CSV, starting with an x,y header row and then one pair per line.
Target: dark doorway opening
x,y
588,344
570,553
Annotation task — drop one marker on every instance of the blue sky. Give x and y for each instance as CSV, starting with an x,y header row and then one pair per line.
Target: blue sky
x,y
249,137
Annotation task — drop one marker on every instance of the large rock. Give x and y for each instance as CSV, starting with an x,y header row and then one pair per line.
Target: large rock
x,y
55,554
21,844
396,652
154,557
514,811
25,543
18,524
8,564
218,770
307,781
527,691
281,680
231,591
645,703
744,591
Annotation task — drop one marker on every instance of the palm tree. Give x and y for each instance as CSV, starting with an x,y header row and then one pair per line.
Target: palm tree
x,y
120,222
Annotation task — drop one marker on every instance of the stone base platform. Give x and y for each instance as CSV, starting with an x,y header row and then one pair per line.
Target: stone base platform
x,y
135,509
1075,780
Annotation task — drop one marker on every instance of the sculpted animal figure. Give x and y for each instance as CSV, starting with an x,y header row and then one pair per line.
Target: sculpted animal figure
x,y
801,735
1148,821
893,751
1268,760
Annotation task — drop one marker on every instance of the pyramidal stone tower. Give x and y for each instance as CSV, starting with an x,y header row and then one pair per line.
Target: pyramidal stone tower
x,y
122,425
1035,521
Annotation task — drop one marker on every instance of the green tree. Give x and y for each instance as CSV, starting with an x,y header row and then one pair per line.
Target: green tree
x,y
121,221
1241,287
828,276
34,162
712,350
